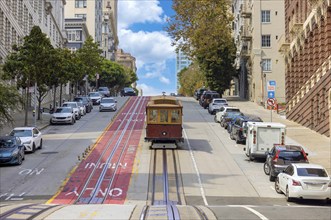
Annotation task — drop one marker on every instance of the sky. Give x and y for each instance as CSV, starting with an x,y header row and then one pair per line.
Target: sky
x,y
141,33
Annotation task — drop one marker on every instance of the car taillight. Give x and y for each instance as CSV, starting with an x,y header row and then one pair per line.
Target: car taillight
x,y
254,137
304,155
296,183
283,138
276,157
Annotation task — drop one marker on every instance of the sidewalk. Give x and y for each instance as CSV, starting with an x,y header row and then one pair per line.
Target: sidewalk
x,y
318,146
19,118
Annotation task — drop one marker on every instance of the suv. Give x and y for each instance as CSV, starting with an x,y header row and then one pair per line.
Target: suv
x,y
222,110
207,98
104,91
239,127
280,156
216,104
86,101
198,93
127,91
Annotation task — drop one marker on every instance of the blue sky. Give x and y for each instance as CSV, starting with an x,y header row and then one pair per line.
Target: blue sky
x,y
141,32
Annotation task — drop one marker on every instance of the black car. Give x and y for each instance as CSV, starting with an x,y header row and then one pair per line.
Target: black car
x,y
228,116
239,127
127,91
198,93
11,150
86,101
280,156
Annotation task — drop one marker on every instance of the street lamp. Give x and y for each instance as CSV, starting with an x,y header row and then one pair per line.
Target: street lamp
x,y
262,81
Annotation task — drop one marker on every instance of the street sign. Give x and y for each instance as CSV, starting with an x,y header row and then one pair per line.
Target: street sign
x,y
271,102
272,82
271,94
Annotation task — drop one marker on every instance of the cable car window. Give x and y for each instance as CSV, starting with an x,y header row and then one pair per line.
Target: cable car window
x,y
175,116
163,116
153,115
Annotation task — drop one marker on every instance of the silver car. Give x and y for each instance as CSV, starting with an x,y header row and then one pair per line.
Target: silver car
x,y
108,104
63,115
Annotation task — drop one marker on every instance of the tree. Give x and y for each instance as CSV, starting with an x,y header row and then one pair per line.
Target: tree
x,y
202,30
190,79
90,60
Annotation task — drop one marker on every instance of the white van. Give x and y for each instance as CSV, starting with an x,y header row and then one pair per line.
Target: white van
x,y
261,137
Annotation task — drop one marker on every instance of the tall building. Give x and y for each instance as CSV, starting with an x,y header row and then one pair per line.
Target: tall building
x,y
182,61
77,33
18,17
257,28
307,52
101,22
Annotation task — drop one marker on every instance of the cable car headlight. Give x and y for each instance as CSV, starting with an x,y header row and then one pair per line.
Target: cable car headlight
x,y
164,133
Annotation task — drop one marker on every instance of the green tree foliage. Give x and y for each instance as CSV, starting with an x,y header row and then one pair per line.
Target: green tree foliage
x,y
190,79
90,59
10,100
202,30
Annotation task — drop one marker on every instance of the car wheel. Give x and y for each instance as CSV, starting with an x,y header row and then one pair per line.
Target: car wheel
x,y
266,168
19,159
33,148
251,158
72,121
288,198
215,119
41,144
277,186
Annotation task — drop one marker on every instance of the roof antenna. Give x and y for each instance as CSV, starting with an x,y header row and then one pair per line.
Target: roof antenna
x,y
164,93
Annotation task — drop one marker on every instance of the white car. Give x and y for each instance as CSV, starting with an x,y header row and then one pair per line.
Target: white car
x,y
82,108
108,104
216,104
305,181
63,115
75,107
31,137
222,110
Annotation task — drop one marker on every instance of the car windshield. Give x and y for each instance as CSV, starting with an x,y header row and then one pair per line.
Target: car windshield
x,y
232,110
291,155
312,172
6,143
219,101
103,89
107,101
94,94
80,104
21,133
69,105
63,110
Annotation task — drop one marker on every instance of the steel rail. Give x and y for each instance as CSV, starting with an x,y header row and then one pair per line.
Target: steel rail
x,y
19,210
123,150
102,154
104,169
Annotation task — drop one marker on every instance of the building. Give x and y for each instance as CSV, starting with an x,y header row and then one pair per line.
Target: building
x,y
307,52
101,22
182,61
126,59
18,17
257,28
77,33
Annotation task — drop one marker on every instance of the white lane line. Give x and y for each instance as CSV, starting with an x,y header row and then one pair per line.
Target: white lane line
x,y
202,191
262,217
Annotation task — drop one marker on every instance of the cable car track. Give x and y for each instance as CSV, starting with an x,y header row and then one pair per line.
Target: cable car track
x,y
121,131
30,211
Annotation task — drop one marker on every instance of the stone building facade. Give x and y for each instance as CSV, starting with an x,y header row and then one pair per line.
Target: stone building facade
x,y
307,52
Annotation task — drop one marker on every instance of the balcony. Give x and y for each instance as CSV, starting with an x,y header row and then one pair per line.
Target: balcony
x,y
245,10
283,45
245,33
295,25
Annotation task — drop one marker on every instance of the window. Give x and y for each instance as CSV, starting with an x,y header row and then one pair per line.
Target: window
x,y
265,16
266,64
163,116
266,41
175,116
152,115
80,3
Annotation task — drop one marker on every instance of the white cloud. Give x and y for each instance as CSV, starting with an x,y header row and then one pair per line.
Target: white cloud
x,y
151,91
164,80
139,12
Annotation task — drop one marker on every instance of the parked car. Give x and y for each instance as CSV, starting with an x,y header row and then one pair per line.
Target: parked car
x,y
280,156
95,97
86,101
108,104
198,93
207,97
216,104
222,110
239,127
82,108
127,91
63,115
75,107
11,150
228,116
304,181
31,137
104,91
